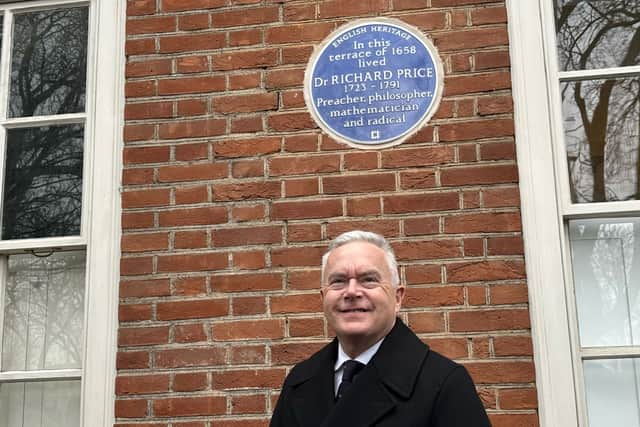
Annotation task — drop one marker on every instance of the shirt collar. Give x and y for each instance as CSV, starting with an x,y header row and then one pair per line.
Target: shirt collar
x,y
364,357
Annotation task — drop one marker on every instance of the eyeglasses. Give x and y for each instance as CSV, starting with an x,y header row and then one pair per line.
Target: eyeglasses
x,y
368,281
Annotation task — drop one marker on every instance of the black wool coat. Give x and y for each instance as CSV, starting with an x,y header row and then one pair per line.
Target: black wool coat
x,y
404,385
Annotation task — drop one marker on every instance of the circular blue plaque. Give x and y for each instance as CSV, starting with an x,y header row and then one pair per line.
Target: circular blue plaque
x,y
374,82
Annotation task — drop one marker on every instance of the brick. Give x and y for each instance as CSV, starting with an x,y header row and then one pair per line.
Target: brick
x,y
298,33
190,406
144,288
428,249
471,38
132,360
193,172
369,183
296,54
492,60
245,103
248,213
245,16
192,262
387,228
512,345
434,297
256,146
248,329
153,24
131,408
196,381
138,132
488,320
473,247
338,8
248,169
501,197
501,372
246,37
134,312
191,195
143,242
301,187
188,85
191,42
188,286
420,203
428,21
290,354
422,274
247,354
289,122
484,270
489,15
196,309
192,107
251,378
308,279
468,84
250,404
511,420
498,151
250,282
143,336
190,239
189,334
193,216
245,59
156,67
140,46
306,209
140,88
284,78
249,260
198,21
365,206
247,191
249,306
494,105
137,176
421,226
361,161
141,384
426,322
192,128
288,166
509,294
312,327
306,303
136,266
294,257
141,7
476,130
181,5
507,245
189,357
485,174
303,232
247,236
142,155
299,12
482,222
518,398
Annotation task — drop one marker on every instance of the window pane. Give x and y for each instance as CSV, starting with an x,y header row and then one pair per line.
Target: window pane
x,y
612,392
48,62
43,182
605,256
602,139
43,312
40,404
595,34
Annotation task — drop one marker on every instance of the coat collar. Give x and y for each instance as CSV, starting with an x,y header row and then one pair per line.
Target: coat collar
x,y
389,376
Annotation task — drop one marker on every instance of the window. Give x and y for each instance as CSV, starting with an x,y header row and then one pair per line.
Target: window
x,y
58,288
576,68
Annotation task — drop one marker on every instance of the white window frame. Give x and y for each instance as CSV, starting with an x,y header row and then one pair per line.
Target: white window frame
x,y
546,206
101,211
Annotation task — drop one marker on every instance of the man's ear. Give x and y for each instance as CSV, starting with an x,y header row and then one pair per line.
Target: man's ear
x,y
400,290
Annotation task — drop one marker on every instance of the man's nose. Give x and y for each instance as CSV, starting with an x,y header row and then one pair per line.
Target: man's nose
x,y
353,287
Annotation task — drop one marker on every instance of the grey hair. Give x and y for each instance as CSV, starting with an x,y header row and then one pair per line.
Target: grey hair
x,y
369,237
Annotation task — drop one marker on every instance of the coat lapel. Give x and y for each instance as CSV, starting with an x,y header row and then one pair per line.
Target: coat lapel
x,y
313,399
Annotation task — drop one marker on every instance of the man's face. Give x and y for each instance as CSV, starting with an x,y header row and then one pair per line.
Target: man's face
x,y
358,298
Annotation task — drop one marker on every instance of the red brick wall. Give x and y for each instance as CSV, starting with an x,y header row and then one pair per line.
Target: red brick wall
x,y
231,193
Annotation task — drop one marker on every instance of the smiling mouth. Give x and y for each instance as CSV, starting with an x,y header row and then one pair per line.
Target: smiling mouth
x,y
354,310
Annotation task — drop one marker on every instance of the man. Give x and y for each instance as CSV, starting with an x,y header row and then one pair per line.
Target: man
x,y
376,372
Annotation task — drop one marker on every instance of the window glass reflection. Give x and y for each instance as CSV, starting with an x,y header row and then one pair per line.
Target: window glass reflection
x,y
48,62
601,124
594,34
43,312
605,256
43,182
612,392
42,404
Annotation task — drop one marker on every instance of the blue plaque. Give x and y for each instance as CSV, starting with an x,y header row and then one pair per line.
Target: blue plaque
x,y
374,82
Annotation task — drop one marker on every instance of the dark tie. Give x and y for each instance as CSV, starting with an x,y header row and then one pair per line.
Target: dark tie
x,y
350,370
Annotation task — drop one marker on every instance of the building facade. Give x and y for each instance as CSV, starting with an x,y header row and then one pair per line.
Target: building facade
x,y
167,196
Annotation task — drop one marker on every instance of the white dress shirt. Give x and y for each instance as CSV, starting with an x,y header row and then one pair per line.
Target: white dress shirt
x,y
363,358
